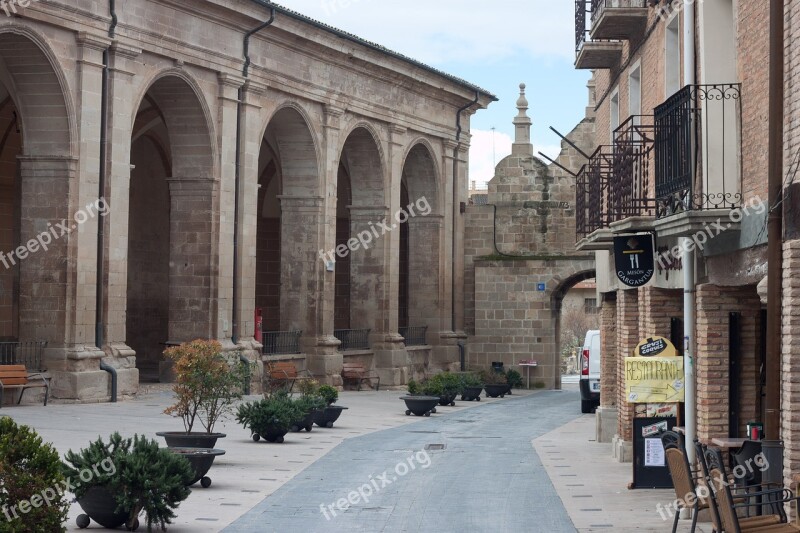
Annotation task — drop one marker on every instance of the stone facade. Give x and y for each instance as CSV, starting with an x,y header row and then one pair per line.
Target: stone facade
x,y
309,110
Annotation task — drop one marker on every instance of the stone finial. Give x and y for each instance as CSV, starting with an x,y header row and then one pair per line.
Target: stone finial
x,y
522,126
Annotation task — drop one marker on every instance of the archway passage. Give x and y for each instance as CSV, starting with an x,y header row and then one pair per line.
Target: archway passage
x,y
574,306
10,204
341,303
170,226
420,238
287,256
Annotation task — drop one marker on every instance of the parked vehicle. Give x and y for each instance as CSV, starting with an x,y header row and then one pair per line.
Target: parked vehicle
x,y
590,371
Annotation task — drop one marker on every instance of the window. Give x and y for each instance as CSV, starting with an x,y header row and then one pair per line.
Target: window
x,y
614,113
635,88
672,68
590,305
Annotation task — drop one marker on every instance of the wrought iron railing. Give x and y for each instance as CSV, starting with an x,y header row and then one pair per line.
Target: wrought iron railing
x,y
698,149
352,339
280,342
414,335
28,353
582,8
598,6
630,182
592,195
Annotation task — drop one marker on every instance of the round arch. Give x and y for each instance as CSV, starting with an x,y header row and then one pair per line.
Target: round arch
x,y
363,157
297,150
421,175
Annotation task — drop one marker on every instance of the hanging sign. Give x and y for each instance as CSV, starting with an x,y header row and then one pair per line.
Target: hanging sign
x,y
635,259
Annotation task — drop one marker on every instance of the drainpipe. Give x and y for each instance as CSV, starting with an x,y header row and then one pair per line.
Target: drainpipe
x,y
101,255
772,445
237,186
456,207
687,245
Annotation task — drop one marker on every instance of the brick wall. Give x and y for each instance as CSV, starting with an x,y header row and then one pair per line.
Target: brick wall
x,y
608,351
790,393
627,339
656,308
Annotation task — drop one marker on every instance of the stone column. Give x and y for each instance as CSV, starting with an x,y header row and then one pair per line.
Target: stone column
x,y
607,411
790,385
192,264
627,339
424,269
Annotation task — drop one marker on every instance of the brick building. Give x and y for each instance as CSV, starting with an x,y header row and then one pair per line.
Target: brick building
x,y
238,146
683,155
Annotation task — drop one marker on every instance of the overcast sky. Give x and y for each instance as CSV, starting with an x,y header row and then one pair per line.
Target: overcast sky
x,y
495,45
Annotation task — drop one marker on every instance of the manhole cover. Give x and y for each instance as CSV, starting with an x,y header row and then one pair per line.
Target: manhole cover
x,y
434,447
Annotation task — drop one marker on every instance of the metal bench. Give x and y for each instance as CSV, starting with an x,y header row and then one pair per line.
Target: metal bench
x,y
358,373
282,373
17,377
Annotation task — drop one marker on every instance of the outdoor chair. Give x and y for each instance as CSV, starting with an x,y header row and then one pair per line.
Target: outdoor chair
x,y
728,507
683,479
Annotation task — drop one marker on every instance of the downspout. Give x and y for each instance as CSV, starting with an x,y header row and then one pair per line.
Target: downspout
x,y
101,255
456,208
237,187
772,445
687,245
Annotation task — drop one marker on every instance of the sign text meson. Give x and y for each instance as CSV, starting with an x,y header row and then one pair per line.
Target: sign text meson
x,y
635,259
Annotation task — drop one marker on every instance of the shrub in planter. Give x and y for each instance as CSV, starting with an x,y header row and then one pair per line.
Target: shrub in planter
x,y
208,384
447,386
307,406
414,388
270,418
495,383
472,387
330,414
329,394
131,476
31,482
514,379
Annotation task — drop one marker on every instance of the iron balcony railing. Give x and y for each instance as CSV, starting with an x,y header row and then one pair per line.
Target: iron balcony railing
x,y
28,353
582,8
352,339
597,7
281,342
414,335
630,190
698,149
592,195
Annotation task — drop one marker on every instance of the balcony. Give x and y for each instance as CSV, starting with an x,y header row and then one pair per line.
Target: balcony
x,y
618,19
592,201
592,54
632,203
698,157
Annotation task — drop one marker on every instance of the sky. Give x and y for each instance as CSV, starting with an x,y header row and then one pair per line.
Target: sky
x,y
495,45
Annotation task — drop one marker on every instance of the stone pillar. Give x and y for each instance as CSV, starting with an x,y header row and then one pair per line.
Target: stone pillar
x,y
790,347
627,339
607,411
192,258
424,273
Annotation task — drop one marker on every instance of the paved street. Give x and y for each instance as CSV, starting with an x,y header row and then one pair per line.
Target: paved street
x,y
487,477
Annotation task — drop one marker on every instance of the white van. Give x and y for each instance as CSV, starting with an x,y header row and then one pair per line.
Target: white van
x,y
590,371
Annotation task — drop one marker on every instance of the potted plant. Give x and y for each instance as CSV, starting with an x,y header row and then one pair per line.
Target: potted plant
x,y
472,387
207,386
125,478
514,379
307,405
270,418
30,466
330,413
450,386
495,383
421,400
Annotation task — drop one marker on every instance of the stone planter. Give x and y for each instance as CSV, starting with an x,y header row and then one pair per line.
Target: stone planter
x,y
326,417
201,460
99,505
471,393
195,439
420,405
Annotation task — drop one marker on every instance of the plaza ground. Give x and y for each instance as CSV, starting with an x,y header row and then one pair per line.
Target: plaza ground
x,y
524,463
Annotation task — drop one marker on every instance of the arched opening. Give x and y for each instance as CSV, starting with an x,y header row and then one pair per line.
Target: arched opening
x,y
575,311
10,149
361,162
341,304
420,238
286,258
170,225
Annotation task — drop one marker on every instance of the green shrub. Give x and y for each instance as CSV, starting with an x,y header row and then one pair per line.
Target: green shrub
x,y
452,384
140,475
414,388
268,415
306,404
329,394
471,380
490,377
30,473
432,387
539,384
514,378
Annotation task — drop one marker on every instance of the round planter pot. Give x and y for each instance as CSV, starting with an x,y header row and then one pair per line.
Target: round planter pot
x,y
304,423
195,439
508,389
326,417
99,505
496,391
471,393
420,405
271,434
449,399
201,460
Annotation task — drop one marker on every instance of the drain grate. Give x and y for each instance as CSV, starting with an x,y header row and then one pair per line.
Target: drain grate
x,y
435,447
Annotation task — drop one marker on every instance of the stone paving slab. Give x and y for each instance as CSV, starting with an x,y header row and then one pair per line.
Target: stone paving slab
x,y
248,472
593,487
487,478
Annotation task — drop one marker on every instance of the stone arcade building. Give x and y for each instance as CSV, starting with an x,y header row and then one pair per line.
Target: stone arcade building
x,y
227,169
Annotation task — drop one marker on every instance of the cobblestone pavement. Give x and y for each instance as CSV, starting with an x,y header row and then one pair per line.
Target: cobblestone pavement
x,y
487,477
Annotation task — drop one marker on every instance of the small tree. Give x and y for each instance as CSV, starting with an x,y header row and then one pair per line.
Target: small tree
x,y
207,384
575,322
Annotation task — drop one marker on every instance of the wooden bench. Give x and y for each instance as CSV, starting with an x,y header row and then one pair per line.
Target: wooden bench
x,y
282,373
358,373
17,377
